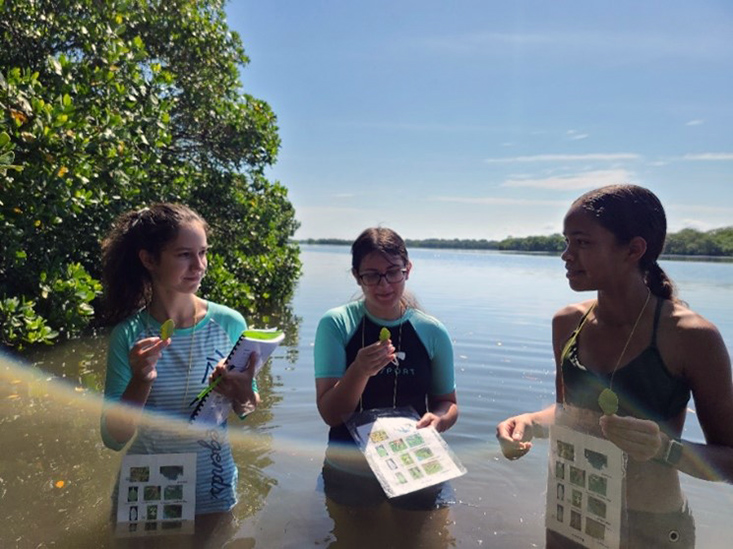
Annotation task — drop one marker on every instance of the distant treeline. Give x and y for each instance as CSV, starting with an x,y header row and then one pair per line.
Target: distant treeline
x,y
716,242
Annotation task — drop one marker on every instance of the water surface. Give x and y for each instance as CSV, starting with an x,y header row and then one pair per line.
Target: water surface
x,y
56,476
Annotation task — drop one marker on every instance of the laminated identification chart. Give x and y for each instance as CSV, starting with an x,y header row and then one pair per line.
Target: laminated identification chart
x,y
157,494
585,488
403,457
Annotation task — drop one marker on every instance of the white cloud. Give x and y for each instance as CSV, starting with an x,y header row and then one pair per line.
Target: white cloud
x,y
497,201
702,209
708,156
695,122
630,46
605,157
697,224
587,180
698,216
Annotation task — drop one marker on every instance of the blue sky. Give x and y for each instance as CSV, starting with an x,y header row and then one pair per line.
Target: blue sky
x,y
485,119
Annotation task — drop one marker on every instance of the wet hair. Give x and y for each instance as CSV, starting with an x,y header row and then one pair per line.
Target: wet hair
x,y
127,283
629,211
377,239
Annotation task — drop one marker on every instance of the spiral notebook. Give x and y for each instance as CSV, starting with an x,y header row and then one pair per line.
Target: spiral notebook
x,y
211,407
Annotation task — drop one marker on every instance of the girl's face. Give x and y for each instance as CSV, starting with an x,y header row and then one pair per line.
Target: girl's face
x,y
593,258
383,298
182,262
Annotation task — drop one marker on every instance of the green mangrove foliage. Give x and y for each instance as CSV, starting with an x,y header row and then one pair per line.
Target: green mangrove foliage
x,y
688,242
108,106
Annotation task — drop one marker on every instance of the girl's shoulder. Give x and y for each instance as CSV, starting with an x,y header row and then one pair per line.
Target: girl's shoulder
x,y
684,325
131,327
352,309
219,310
692,345
567,319
418,316
225,316
428,326
573,312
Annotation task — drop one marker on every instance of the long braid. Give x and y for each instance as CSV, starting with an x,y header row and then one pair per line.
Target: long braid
x,y
659,283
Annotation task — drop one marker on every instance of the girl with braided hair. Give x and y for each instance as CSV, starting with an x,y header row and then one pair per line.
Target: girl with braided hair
x,y
643,348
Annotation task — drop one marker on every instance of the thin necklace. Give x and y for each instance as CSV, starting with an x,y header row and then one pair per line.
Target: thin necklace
x,y
190,348
190,353
394,361
608,400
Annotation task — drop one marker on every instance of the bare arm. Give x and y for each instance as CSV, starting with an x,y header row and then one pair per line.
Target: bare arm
x,y
338,397
122,420
443,412
708,369
698,352
516,433
238,386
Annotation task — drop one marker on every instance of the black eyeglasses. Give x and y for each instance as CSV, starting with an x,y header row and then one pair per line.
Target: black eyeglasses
x,y
392,276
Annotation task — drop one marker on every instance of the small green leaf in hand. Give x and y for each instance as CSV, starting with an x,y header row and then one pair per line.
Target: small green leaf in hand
x,y
166,329
608,401
384,334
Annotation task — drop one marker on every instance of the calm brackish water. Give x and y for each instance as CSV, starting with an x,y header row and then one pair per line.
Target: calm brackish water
x,y
56,476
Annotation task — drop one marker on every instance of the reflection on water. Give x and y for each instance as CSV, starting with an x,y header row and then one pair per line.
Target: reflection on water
x,y
56,477
369,527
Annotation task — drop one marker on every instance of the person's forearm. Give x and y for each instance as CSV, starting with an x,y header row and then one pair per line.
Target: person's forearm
x,y
245,403
122,420
447,411
341,399
703,461
542,420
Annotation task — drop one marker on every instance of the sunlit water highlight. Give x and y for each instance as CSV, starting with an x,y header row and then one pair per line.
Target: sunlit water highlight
x,y
56,476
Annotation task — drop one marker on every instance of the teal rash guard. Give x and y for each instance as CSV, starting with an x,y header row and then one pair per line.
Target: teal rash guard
x,y
425,370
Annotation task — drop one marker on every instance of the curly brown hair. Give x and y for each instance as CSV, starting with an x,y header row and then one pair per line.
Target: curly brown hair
x,y
127,283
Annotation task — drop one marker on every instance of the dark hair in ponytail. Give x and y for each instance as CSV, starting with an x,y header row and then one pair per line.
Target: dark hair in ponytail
x,y
127,283
629,211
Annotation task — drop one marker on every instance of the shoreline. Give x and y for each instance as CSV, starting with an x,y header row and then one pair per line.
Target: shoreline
x,y
667,257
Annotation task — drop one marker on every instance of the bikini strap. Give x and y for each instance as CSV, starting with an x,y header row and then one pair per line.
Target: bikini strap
x,y
657,314
585,317
574,336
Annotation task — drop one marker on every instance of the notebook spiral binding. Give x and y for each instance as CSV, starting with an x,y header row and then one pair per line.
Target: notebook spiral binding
x,y
230,363
238,358
199,407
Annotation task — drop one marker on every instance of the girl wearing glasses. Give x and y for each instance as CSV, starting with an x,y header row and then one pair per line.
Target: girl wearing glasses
x,y
357,371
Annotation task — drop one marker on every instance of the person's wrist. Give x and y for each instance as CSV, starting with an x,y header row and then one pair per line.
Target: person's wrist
x,y
144,379
538,430
662,450
670,451
357,372
243,407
